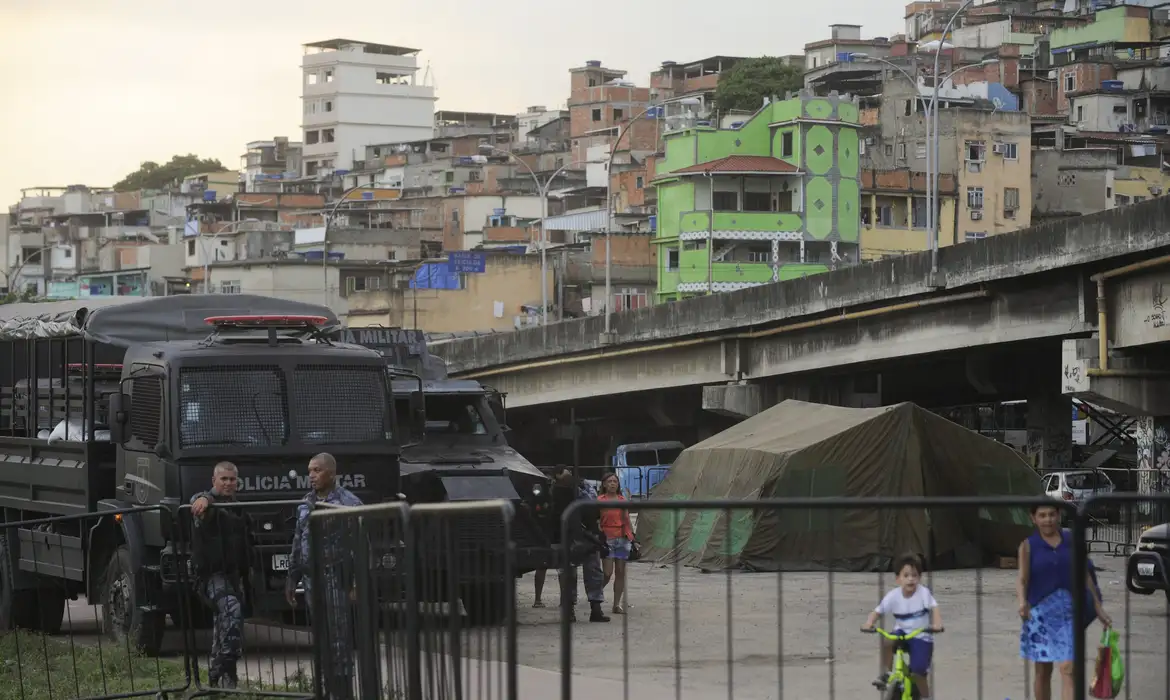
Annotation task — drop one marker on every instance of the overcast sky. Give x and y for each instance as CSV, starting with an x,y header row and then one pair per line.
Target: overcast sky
x,y
93,87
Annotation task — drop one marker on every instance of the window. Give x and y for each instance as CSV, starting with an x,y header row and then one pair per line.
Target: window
x,y
329,76
889,150
593,82
454,415
974,235
974,197
920,151
638,182
1011,151
312,137
976,151
328,105
385,78
783,201
1011,202
694,245
1108,193
918,213
311,167
449,176
629,299
618,113
672,259
1122,110
1080,113
229,287
191,247
355,284
1070,81
311,78
786,145
327,135
757,201
68,253
760,254
901,151
339,404
597,115
726,201
211,413
885,215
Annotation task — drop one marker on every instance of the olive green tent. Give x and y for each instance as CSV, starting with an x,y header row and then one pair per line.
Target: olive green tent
x,y
798,449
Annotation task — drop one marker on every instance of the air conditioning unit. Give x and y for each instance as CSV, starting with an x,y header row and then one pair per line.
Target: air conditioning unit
x,y
976,214
997,148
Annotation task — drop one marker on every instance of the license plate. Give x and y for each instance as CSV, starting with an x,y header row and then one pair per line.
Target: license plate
x,y
280,562
1145,568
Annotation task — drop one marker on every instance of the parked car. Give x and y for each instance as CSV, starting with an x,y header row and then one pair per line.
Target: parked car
x,y
1078,486
1148,568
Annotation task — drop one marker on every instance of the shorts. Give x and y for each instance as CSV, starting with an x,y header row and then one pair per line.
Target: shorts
x,y
619,548
921,653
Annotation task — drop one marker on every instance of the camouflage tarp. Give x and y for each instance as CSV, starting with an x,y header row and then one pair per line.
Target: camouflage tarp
x,y
798,449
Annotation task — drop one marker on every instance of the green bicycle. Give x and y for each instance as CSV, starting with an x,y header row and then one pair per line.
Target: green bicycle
x,y
899,684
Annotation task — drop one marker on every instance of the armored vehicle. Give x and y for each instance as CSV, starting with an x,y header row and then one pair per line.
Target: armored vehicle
x,y
109,405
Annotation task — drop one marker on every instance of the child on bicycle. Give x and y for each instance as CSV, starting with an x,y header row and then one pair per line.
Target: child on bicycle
x,y
913,607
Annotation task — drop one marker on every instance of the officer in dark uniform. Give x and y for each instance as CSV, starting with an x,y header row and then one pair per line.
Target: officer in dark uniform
x,y
220,554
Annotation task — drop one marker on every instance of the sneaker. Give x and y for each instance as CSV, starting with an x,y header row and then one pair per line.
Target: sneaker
x,y
882,682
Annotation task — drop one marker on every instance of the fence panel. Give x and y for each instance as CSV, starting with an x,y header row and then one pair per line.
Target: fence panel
x,y
794,581
1134,601
431,608
233,561
57,642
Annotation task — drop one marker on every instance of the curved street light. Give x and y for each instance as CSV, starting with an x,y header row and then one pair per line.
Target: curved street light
x,y
542,190
325,236
210,250
14,271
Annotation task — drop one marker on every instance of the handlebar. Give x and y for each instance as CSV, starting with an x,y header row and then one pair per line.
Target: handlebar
x,y
903,637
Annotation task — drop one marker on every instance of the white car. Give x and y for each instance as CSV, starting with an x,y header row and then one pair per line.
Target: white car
x,y
1077,486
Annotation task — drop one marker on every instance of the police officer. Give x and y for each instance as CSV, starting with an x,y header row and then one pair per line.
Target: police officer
x,y
589,545
336,552
220,539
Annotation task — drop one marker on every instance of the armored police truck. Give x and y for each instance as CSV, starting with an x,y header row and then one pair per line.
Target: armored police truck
x,y
109,405
463,455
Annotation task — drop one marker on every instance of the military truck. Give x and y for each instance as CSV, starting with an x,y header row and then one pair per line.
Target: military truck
x,y
113,404
462,454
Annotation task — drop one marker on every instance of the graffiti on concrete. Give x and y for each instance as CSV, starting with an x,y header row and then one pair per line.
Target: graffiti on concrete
x,y
1157,318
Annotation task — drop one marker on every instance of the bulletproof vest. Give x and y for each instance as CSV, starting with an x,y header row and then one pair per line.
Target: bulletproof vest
x,y
220,542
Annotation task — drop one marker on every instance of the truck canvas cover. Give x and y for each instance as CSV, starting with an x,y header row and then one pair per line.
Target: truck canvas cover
x,y
798,449
126,321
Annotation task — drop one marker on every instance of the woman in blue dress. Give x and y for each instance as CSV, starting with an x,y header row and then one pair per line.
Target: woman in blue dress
x,y
1046,606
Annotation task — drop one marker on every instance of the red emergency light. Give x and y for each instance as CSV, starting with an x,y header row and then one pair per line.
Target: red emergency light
x,y
285,321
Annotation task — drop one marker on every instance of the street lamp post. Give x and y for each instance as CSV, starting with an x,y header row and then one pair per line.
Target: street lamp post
x,y
209,252
14,272
542,189
933,176
609,218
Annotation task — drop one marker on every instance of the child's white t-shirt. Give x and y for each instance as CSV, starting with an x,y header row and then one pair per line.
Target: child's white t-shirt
x,y
911,613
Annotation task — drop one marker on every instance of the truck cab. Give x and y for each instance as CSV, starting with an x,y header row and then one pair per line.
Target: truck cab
x,y
145,397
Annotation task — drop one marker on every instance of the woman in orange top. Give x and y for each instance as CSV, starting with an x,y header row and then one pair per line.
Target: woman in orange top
x,y
619,535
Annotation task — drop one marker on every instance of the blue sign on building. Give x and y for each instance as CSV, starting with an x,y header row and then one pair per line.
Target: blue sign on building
x,y
467,261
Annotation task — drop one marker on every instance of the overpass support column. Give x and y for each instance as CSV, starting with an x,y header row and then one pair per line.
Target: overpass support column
x,y
735,400
1050,431
1153,453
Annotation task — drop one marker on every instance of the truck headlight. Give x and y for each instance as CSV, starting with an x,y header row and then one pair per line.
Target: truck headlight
x,y
537,489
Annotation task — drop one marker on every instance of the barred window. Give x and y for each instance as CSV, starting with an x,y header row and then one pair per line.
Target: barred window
x,y
233,405
340,404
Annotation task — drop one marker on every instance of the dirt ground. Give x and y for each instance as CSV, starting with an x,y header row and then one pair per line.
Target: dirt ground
x,y
977,656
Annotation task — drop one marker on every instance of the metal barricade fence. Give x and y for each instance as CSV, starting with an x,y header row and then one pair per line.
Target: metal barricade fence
x,y
791,629
1145,580
72,620
419,602
1113,528
232,563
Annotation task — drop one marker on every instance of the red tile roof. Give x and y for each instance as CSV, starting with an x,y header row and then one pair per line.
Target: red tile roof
x,y
740,164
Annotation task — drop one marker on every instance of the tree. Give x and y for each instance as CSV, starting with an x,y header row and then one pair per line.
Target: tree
x,y
152,176
748,82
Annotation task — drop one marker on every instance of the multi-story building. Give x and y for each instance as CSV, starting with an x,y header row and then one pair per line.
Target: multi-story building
x,y
775,198
268,165
844,39
601,101
357,93
536,117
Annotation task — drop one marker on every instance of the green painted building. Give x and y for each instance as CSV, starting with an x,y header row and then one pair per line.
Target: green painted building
x,y
774,198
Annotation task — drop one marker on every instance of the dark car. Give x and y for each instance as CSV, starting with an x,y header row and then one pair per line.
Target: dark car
x,y
1148,569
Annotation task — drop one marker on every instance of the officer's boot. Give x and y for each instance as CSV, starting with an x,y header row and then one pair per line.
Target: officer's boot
x,y
596,614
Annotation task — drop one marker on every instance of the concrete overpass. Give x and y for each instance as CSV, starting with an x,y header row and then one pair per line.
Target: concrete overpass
x,y
755,345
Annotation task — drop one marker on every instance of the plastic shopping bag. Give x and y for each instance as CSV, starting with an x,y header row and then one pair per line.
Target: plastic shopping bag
x,y
1109,673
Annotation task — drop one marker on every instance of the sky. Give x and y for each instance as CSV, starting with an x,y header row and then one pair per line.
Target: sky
x,y
91,88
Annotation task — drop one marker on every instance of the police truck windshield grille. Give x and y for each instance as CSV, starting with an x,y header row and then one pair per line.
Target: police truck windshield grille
x,y
340,404
244,406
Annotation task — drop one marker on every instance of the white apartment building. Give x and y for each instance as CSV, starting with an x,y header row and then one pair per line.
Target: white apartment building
x,y
536,117
356,94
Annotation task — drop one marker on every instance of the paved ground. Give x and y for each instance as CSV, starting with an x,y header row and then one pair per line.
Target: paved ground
x,y
976,658
978,652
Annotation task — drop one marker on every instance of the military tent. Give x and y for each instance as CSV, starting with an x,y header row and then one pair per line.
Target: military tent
x,y
797,449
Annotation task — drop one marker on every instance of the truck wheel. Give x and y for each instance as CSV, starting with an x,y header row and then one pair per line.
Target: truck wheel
x,y
486,603
123,618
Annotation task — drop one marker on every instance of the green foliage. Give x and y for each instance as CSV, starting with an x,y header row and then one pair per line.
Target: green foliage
x,y
15,297
748,82
151,175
